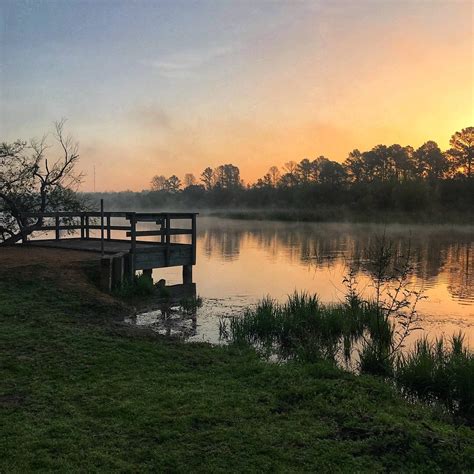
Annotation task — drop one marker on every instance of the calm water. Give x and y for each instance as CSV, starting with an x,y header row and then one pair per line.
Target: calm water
x,y
239,262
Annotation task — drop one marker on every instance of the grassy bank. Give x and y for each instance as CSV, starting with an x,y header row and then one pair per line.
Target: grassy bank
x,y
344,214
81,391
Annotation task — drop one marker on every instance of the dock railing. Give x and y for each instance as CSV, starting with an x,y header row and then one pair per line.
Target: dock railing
x,y
85,222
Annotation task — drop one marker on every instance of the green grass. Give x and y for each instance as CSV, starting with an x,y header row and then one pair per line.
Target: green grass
x,y
79,392
304,330
440,371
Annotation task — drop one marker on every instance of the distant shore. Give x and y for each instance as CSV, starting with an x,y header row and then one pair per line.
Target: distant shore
x,y
325,214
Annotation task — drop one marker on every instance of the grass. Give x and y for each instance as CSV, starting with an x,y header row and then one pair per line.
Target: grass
x,y
81,392
305,330
440,371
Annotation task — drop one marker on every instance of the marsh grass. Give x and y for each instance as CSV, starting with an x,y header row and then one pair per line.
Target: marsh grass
x,y
303,328
439,371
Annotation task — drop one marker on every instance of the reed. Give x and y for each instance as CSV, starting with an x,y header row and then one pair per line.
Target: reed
x,y
442,371
305,329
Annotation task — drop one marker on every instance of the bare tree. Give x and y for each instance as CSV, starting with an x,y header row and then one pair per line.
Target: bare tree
x,y
189,180
158,183
274,173
207,177
30,182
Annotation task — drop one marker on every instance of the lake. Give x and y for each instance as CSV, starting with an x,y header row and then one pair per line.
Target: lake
x,y
241,261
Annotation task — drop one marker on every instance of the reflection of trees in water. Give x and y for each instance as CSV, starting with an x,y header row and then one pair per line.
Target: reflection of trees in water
x,y
222,243
434,251
461,276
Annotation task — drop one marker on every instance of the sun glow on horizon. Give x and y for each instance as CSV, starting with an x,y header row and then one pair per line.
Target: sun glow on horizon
x,y
173,88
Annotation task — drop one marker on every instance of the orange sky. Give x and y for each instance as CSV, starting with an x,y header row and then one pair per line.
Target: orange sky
x,y
253,84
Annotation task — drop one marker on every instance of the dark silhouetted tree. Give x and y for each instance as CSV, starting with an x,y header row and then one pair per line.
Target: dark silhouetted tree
x,y
462,151
207,177
158,183
355,167
189,180
173,184
430,162
274,173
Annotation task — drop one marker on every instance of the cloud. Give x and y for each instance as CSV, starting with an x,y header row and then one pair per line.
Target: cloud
x,y
152,116
183,63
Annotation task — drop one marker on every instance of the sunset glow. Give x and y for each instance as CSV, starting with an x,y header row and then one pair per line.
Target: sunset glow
x,y
173,87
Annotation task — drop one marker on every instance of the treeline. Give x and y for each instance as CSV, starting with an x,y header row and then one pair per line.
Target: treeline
x,y
393,177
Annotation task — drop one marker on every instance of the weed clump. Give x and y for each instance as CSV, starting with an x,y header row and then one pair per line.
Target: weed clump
x,y
139,285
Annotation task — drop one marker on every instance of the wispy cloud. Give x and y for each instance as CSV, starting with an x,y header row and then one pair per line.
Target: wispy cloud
x,y
185,62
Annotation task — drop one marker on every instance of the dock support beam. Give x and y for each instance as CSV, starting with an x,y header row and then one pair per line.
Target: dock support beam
x,y
187,274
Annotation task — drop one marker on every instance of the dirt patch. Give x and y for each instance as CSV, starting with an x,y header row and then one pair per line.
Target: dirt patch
x,y
18,256
69,268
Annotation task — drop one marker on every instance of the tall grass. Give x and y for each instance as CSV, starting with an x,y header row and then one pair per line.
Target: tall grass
x,y
442,371
305,329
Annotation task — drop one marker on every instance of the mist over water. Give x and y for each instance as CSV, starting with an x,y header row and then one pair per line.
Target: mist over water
x,y
239,262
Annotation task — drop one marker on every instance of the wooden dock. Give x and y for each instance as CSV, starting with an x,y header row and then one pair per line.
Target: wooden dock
x,y
121,257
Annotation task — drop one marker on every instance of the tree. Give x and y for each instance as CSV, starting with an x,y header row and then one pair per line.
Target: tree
x,y
430,162
30,182
207,177
158,183
400,162
173,184
331,172
462,151
304,171
189,180
227,176
355,166
274,174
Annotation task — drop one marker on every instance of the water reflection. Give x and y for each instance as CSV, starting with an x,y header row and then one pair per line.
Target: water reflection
x,y
239,262
169,316
437,253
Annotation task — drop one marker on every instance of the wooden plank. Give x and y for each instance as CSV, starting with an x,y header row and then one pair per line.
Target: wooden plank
x,y
193,239
142,233
71,214
112,227
160,259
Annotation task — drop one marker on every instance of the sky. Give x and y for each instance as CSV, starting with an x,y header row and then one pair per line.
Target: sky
x,y
171,87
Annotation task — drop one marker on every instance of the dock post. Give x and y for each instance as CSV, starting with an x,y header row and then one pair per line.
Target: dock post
x,y
187,274
147,273
57,226
133,247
